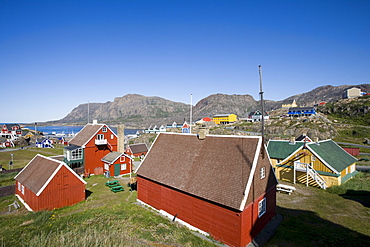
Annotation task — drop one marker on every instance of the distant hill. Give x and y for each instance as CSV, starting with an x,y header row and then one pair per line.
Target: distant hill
x,y
140,111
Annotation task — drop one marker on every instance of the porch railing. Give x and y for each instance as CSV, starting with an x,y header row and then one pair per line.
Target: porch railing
x,y
305,167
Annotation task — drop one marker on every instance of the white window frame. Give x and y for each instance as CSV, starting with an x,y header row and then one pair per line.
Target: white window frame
x,y
261,207
263,172
352,168
104,129
76,154
19,186
22,189
100,137
123,167
112,136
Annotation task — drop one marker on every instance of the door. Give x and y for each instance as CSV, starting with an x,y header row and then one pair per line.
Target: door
x,y
117,169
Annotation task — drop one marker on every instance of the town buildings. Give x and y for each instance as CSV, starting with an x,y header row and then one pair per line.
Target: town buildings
x,y
89,146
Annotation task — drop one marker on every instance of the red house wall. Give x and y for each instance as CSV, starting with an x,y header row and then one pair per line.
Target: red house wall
x,y
352,151
94,153
251,224
140,154
65,189
221,223
127,161
229,226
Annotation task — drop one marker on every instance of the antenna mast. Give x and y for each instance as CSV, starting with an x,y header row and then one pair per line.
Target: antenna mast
x,y
88,112
262,104
191,111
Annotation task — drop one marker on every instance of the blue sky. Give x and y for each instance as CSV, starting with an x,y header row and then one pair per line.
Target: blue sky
x,y
55,55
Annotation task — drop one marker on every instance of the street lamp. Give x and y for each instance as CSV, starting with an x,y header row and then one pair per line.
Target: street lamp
x,y
11,162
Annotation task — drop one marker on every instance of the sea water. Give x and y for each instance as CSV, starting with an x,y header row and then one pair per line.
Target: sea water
x,y
70,130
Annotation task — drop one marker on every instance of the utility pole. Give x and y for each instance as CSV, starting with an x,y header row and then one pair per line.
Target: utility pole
x,y
262,105
191,111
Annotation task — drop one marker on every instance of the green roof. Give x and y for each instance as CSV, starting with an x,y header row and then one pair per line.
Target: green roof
x,y
332,154
280,149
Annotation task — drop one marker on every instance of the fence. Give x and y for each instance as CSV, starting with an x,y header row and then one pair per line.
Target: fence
x,y
7,190
3,171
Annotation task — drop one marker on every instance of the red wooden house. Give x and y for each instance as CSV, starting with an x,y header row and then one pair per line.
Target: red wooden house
x,y
223,186
4,142
352,151
117,163
89,146
11,131
46,183
137,150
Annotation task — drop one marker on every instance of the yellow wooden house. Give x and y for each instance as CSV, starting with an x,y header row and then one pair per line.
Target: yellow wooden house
x,y
289,103
224,118
323,163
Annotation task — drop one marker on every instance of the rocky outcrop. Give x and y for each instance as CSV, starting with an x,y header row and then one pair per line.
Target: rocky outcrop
x,y
140,111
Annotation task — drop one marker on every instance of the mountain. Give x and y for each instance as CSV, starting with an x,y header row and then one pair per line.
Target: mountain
x,y
140,111
325,93
132,109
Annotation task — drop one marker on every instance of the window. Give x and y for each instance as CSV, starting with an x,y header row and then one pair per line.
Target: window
x,y
19,186
112,136
99,137
352,168
123,167
263,172
106,167
122,159
76,154
261,207
22,189
313,158
104,129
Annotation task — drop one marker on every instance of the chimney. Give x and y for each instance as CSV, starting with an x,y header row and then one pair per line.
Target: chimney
x,y
316,140
95,121
292,140
121,138
203,131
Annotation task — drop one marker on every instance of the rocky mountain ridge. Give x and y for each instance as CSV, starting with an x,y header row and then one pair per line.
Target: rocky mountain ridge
x,y
136,110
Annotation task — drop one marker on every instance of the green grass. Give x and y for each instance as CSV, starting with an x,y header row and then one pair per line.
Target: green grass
x,y
360,183
21,157
7,179
104,219
312,217
316,217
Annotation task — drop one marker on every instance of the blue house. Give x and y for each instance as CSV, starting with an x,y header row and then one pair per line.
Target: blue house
x,y
44,143
301,111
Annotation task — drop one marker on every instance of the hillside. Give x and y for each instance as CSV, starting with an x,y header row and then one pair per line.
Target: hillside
x,y
355,111
140,111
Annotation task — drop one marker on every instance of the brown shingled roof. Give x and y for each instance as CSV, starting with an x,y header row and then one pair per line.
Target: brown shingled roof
x,y
138,148
38,173
85,135
216,168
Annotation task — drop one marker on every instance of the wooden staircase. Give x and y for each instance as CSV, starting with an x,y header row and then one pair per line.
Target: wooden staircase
x,y
313,175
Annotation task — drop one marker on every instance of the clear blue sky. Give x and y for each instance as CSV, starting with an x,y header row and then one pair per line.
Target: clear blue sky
x,y
55,55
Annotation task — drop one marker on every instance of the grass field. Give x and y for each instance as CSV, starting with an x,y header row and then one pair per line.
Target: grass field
x,y
312,217
104,219
21,157
335,217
